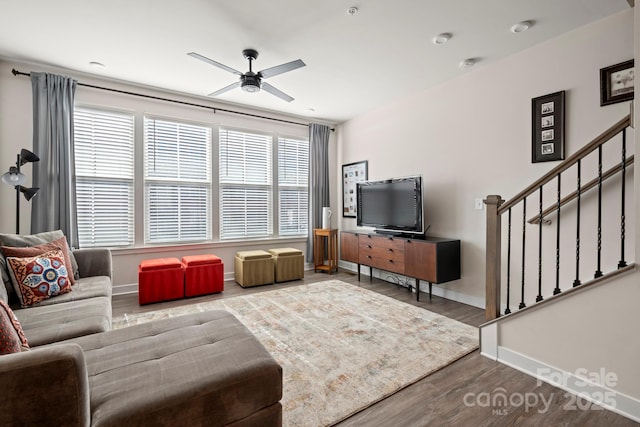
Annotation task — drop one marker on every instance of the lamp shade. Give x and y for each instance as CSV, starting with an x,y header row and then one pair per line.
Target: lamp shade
x,y
27,156
14,177
29,192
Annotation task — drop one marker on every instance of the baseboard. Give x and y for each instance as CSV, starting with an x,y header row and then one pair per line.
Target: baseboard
x,y
602,395
424,286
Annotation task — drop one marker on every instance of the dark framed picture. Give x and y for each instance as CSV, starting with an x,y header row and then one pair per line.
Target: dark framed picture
x,y
547,127
352,173
616,83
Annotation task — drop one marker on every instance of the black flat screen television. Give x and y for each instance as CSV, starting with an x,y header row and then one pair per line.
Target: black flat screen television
x,y
391,205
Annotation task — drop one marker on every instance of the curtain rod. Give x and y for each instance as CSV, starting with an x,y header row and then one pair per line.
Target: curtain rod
x,y
158,98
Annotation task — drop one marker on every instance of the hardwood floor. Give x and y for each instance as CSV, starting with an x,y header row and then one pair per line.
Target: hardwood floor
x,y
455,395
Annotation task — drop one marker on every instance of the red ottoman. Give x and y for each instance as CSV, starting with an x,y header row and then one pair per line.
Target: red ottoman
x,y
203,274
160,279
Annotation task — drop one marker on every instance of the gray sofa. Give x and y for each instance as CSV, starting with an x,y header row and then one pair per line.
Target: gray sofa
x,y
85,310
205,369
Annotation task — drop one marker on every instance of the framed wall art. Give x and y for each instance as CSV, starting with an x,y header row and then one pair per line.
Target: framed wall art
x,y
617,83
352,173
547,139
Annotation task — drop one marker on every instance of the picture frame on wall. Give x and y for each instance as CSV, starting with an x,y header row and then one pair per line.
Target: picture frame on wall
x,y
547,127
352,173
617,83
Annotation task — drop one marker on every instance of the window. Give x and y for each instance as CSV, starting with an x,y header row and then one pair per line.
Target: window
x,y
177,164
293,178
104,177
245,184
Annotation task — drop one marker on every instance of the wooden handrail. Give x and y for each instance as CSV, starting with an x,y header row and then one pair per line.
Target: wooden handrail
x,y
608,174
566,164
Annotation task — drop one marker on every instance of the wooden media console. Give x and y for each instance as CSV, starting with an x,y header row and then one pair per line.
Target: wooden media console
x,y
434,260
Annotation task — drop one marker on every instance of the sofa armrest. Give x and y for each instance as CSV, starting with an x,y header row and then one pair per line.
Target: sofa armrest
x,y
94,262
45,386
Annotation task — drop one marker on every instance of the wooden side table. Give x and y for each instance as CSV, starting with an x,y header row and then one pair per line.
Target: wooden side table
x,y
331,237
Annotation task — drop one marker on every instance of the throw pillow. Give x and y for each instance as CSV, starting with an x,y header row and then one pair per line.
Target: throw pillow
x,y
39,277
12,339
29,251
23,240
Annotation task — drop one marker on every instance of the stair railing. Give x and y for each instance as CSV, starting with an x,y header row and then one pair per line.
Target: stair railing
x,y
497,207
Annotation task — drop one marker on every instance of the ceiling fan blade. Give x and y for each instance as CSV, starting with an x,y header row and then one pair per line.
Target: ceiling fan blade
x,y
215,63
282,68
225,89
277,92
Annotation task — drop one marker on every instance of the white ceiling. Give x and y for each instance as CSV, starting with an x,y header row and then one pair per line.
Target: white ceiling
x,y
355,63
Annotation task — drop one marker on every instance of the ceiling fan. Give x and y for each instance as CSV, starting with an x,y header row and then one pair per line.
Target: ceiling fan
x,y
251,81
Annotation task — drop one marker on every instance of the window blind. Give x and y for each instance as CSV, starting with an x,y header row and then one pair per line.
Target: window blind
x,y
103,142
293,178
177,164
246,163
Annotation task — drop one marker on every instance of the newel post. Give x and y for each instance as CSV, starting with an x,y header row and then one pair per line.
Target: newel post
x,y
493,249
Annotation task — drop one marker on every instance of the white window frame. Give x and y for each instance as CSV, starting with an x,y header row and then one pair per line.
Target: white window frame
x,y
173,182
105,212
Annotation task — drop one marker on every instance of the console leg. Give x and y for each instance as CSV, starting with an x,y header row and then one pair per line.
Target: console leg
x,y
429,291
358,272
417,289
370,274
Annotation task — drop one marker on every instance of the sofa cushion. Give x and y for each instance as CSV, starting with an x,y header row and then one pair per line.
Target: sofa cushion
x,y
39,277
85,288
52,323
12,338
202,369
61,243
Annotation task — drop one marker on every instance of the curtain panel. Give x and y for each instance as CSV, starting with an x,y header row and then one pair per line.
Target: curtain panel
x,y
318,179
55,205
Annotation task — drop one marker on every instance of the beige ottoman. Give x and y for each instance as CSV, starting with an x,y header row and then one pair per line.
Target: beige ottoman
x,y
253,268
289,264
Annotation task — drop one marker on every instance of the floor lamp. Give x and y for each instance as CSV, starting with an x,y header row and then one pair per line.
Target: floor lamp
x,y
15,178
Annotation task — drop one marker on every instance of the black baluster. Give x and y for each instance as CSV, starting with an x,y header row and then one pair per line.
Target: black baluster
x,y
539,297
508,310
577,281
598,272
622,262
557,290
524,235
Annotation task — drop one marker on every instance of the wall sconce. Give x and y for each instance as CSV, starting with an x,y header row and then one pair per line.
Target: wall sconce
x,y
15,178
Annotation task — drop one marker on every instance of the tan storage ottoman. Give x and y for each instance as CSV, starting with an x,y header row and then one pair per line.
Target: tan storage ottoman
x,y
253,268
289,264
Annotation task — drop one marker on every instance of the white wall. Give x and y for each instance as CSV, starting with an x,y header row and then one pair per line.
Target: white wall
x,y
471,137
16,132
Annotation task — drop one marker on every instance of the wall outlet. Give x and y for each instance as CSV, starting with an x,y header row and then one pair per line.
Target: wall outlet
x,y
479,204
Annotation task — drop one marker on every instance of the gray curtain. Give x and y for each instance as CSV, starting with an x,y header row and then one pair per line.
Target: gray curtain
x,y
54,207
318,178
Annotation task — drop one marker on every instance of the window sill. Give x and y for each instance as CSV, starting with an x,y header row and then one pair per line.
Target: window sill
x,y
204,245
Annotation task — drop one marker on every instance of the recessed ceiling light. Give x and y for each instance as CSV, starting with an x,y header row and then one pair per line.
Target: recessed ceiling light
x,y
352,10
441,38
468,63
521,27
96,64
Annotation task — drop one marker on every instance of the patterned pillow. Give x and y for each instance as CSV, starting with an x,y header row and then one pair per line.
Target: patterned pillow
x,y
12,339
61,243
39,277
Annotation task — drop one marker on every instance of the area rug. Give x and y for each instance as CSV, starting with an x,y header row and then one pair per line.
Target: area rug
x,y
341,347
